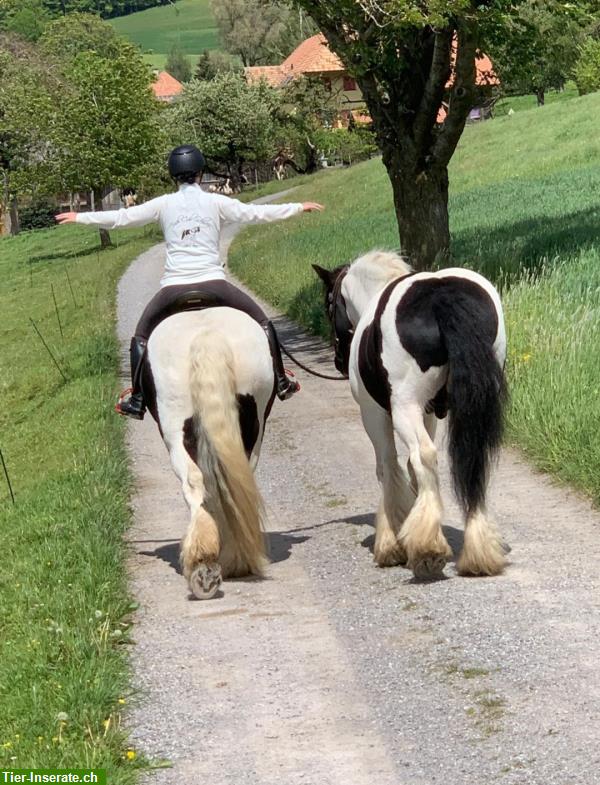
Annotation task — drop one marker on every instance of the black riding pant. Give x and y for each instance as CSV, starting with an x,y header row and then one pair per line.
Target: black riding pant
x,y
192,297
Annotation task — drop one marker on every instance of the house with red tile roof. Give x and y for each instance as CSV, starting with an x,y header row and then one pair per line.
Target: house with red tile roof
x,y
165,87
313,57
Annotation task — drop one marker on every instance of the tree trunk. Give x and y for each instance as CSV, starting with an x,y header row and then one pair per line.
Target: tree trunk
x,y
15,226
421,203
541,96
105,241
4,205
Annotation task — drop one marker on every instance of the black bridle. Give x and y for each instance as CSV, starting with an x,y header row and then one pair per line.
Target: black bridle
x,y
343,331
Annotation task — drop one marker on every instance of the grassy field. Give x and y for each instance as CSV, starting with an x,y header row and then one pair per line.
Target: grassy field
x,y
522,103
64,676
525,209
188,23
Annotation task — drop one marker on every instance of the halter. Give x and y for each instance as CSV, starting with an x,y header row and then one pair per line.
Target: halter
x,y
343,331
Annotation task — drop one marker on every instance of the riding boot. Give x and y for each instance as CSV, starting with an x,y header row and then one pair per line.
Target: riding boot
x,y
285,387
134,406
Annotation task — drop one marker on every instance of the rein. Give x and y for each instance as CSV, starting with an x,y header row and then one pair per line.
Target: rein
x,y
308,370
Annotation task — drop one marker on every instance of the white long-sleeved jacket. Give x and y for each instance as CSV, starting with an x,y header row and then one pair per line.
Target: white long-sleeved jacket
x,y
191,221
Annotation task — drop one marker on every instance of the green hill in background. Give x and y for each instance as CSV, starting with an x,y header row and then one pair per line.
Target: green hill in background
x,y
189,23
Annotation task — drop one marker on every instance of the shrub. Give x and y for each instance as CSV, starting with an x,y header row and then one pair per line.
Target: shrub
x,y
346,146
587,68
39,215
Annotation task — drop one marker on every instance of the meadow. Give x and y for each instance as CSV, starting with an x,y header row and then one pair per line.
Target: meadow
x,y
525,211
66,612
187,23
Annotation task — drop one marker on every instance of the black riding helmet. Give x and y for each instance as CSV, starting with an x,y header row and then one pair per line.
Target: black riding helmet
x,y
185,160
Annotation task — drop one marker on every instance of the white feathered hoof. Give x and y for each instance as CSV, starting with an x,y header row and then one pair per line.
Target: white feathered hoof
x,y
205,581
430,567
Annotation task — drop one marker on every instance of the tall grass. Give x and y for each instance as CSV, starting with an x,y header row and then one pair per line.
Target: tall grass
x,y
525,211
64,677
553,323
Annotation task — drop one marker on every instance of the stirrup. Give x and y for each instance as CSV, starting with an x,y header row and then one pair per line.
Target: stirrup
x,y
124,407
283,393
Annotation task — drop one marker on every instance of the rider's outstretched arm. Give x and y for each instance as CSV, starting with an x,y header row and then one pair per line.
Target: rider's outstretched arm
x,y
139,215
234,211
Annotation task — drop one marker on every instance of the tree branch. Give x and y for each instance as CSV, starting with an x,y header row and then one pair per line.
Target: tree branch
x,y
461,98
433,94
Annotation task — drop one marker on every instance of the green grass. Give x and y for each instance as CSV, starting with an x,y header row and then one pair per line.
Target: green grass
x,y
157,61
521,103
524,207
64,675
252,192
553,325
188,23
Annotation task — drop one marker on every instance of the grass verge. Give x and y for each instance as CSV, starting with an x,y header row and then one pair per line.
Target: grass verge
x,y
64,676
524,211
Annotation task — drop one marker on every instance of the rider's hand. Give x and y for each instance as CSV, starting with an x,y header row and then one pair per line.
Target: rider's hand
x,y
66,218
310,207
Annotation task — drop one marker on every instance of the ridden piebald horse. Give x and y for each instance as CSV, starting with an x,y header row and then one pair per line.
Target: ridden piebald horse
x,y
209,383
417,346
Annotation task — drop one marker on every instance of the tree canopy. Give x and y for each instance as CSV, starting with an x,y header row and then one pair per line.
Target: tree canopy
x,y
76,111
104,8
539,47
231,121
409,57
178,64
258,31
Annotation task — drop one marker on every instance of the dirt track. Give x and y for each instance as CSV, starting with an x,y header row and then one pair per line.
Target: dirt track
x,y
334,672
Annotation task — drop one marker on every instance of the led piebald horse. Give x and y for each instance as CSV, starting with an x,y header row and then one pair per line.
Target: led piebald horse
x,y
209,384
417,346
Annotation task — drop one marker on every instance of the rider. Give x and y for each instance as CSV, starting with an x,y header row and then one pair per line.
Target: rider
x,y
194,278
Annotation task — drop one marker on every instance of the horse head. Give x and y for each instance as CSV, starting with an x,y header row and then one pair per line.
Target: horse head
x,y
335,307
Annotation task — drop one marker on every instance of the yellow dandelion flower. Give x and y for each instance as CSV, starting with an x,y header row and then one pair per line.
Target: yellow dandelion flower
x,y
121,701
130,754
526,357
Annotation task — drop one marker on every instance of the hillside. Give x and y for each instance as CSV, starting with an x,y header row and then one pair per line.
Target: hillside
x,y
524,206
188,23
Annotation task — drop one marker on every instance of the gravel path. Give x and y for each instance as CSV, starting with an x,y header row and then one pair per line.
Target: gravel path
x,y
334,672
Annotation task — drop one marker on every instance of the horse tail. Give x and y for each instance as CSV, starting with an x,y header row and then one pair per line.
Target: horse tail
x,y
231,489
477,395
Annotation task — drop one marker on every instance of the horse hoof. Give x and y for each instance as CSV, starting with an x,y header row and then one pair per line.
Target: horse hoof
x,y
205,581
429,568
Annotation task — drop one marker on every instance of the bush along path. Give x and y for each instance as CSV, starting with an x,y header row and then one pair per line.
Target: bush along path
x,y
333,671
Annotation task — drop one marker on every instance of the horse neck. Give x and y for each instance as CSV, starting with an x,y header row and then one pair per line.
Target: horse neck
x,y
358,293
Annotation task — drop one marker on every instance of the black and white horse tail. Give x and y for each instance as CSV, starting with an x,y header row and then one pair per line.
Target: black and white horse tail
x,y
476,397
230,491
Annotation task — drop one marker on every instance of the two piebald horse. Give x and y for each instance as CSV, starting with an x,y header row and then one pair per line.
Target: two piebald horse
x,y
418,347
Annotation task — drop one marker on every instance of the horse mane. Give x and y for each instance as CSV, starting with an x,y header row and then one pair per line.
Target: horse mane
x,y
380,267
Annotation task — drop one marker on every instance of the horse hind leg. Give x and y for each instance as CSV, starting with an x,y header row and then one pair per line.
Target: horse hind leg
x,y
421,535
201,545
482,552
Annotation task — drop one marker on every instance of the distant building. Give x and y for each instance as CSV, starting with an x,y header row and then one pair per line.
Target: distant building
x,y
314,58
165,87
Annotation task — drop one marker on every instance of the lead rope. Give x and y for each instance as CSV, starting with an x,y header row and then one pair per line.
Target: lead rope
x,y
308,370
